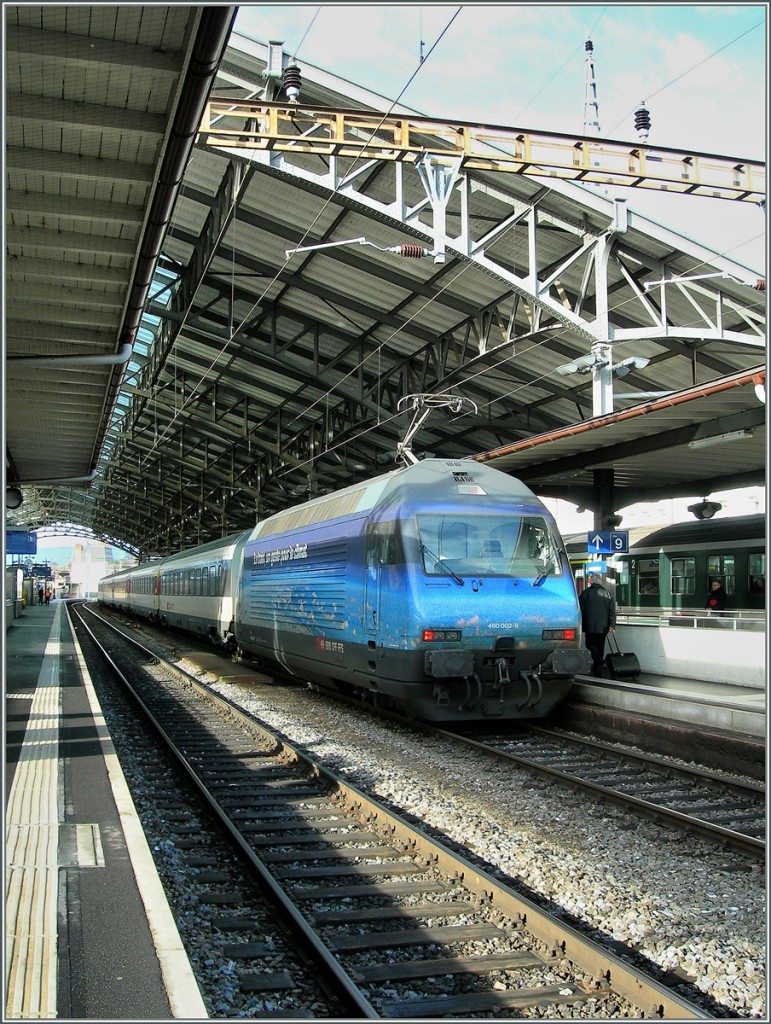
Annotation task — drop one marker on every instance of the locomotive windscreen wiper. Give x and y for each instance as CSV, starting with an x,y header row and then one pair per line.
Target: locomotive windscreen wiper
x,y
547,570
439,564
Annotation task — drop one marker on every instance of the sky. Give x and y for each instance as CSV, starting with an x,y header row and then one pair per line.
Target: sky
x,y
700,70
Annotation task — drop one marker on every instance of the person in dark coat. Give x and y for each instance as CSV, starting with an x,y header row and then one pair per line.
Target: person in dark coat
x,y
598,618
717,597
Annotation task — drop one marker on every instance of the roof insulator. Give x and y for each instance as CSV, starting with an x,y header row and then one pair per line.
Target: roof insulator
x,y
642,122
413,251
292,82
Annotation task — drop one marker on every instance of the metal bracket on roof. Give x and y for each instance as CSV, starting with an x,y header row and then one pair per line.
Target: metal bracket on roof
x,y
422,406
274,70
439,175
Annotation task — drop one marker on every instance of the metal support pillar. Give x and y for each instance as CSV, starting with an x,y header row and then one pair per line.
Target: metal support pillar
x,y
602,379
605,517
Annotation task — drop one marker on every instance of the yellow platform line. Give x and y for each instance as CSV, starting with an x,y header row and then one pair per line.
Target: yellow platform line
x,y
32,851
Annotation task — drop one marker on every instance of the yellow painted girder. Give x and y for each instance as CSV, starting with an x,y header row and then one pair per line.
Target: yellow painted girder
x,y
291,128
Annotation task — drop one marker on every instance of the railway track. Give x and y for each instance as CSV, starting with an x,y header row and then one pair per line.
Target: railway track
x,y
697,800
394,923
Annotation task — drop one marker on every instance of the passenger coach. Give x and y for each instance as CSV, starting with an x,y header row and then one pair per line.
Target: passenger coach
x,y
198,589
674,567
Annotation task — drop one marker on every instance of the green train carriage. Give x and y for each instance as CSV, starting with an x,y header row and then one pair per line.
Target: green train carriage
x,y
673,567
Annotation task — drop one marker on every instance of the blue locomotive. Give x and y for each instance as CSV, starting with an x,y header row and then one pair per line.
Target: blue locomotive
x,y
442,589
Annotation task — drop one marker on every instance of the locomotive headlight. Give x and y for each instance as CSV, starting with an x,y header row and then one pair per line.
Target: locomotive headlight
x,y
559,634
431,636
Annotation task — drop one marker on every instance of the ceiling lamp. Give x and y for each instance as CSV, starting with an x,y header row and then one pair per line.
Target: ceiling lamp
x,y
731,435
705,509
13,497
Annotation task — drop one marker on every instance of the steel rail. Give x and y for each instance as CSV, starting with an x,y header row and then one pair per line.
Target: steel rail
x,y
608,971
345,988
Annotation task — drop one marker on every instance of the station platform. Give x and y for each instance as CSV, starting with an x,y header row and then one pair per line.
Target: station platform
x,y
722,706
76,860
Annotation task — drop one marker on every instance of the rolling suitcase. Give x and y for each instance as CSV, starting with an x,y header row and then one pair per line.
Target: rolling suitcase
x,y
621,666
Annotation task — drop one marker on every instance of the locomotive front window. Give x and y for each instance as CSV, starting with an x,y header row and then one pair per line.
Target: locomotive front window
x,y
518,546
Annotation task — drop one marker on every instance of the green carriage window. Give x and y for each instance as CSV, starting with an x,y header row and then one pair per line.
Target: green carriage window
x,y
648,577
683,576
756,572
721,568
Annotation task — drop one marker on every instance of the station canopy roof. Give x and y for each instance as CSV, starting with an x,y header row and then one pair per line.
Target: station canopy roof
x,y
317,305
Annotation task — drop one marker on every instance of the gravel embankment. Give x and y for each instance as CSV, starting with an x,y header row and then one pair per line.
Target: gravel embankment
x,y
681,903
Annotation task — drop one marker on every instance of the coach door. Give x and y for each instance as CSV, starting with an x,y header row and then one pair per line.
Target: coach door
x,y
384,553
373,563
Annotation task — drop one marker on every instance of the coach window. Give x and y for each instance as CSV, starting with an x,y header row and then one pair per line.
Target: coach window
x,y
205,581
684,576
756,572
648,577
722,567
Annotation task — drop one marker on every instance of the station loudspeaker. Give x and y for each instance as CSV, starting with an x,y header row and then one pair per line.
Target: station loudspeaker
x,y
613,521
705,509
13,497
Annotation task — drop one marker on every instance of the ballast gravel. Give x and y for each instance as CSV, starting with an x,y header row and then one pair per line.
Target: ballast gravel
x,y
679,902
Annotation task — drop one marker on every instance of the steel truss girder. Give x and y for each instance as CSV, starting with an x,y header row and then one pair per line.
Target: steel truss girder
x,y
596,249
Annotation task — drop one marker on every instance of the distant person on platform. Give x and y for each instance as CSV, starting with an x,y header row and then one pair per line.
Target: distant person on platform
x,y
48,595
598,618
717,597
40,595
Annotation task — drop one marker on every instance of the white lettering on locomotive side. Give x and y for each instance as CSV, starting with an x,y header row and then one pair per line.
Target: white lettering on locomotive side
x,y
332,646
287,554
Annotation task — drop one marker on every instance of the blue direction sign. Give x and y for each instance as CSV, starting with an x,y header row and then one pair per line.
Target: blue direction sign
x,y
602,542
20,542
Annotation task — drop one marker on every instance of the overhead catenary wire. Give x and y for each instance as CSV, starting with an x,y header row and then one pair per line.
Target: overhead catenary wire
x,y
305,33
562,66
310,227
552,333
661,89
